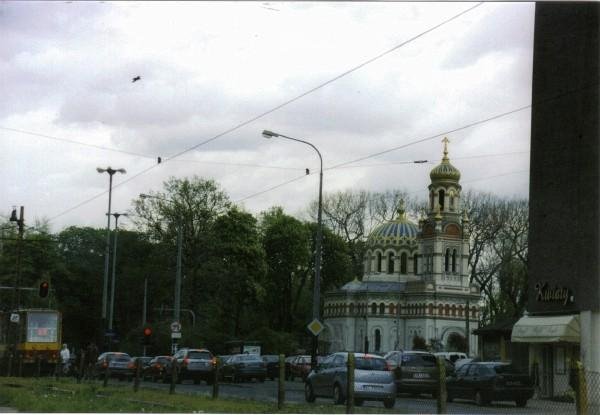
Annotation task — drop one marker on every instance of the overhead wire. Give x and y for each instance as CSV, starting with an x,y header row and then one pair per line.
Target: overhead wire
x,y
285,103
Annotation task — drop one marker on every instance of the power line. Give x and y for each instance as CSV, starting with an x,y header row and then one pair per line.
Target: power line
x,y
272,188
285,103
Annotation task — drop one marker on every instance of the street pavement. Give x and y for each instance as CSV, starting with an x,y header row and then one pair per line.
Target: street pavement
x,y
294,394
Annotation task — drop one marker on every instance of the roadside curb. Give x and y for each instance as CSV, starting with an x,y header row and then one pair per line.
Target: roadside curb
x,y
5,409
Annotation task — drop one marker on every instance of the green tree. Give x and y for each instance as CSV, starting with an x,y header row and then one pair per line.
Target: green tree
x,y
286,243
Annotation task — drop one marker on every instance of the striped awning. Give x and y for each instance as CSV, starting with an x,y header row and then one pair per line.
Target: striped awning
x,y
547,329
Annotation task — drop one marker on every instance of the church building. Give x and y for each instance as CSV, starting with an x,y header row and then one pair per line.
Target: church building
x,y
415,282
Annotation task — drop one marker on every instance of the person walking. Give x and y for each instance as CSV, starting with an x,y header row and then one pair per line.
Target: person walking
x,y
91,356
65,357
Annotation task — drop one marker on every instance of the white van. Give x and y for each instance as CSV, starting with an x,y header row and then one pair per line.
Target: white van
x,y
452,356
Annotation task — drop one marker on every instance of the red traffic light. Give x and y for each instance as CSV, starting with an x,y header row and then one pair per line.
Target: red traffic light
x,y
44,287
147,331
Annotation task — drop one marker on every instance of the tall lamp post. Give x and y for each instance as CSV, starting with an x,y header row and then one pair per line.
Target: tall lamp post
x,y
317,282
114,269
110,172
177,301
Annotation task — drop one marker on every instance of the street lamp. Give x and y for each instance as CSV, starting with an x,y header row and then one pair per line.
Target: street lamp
x,y
110,172
177,302
317,284
114,268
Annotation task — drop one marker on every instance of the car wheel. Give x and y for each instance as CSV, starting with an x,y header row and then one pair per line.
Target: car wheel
x,y
338,397
358,402
309,394
521,403
389,403
479,400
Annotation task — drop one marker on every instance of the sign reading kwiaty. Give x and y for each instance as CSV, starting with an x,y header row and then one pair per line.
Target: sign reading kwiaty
x,y
546,294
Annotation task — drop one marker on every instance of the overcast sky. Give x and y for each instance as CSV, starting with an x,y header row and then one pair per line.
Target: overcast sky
x,y
219,69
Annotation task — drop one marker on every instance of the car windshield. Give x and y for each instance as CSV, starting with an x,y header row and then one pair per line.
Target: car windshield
x,y
121,358
503,368
418,360
249,358
199,355
370,363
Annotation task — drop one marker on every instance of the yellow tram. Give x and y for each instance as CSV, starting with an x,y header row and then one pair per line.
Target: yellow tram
x,y
35,333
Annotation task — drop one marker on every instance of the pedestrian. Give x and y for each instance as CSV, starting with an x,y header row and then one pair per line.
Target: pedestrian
x,y
91,356
65,357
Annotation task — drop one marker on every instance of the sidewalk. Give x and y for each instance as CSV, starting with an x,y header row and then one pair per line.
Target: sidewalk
x,y
4,409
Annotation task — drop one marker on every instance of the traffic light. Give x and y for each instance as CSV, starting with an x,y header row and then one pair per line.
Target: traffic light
x,y
147,338
44,287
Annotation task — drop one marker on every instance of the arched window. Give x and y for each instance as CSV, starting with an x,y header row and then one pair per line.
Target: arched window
x,y
454,260
453,310
378,261
447,310
390,265
351,308
460,310
403,261
381,308
377,340
368,262
392,309
452,207
447,260
441,197
399,311
430,309
415,264
374,308
440,310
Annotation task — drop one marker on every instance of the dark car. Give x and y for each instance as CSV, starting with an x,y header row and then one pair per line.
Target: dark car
x,y
416,372
484,382
244,366
159,368
372,380
195,364
144,361
299,367
120,365
272,361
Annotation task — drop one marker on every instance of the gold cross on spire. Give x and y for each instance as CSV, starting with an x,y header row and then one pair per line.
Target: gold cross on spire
x,y
445,141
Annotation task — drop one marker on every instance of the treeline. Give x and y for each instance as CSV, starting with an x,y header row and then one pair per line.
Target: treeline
x,y
243,276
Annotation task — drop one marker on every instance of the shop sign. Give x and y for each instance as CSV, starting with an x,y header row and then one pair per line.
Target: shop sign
x,y
556,294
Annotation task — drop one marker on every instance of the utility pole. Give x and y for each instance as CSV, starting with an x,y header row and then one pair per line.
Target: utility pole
x,y
17,281
144,311
467,328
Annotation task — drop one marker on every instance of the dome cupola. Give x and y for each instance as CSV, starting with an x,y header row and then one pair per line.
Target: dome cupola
x,y
394,232
445,171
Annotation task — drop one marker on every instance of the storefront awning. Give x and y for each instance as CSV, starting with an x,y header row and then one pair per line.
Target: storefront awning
x,y
547,329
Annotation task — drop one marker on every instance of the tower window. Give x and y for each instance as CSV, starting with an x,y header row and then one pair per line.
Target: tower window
x,y
351,309
415,264
454,260
378,261
374,308
452,207
392,309
441,197
390,267
447,260
403,261
381,308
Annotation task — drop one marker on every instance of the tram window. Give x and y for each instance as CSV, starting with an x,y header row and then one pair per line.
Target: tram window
x,y
42,327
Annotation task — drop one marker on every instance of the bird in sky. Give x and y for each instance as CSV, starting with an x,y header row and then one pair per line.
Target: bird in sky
x,y
137,78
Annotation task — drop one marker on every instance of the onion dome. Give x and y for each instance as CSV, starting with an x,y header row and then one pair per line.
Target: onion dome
x,y
445,170
394,232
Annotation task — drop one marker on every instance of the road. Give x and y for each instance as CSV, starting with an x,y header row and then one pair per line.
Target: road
x,y
294,393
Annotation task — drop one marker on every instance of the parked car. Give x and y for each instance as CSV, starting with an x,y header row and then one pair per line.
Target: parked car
x,y
195,364
484,382
416,372
393,358
244,366
272,361
158,368
452,356
461,362
144,362
372,380
288,364
300,367
120,365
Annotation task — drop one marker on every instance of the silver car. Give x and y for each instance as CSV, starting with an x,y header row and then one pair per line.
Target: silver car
x,y
372,380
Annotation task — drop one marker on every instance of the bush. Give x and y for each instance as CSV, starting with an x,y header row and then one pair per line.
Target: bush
x,y
419,343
